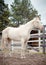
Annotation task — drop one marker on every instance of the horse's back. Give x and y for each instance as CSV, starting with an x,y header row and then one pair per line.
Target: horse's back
x,y
6,29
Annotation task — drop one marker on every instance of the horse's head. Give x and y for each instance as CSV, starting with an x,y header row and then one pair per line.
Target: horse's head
x,y
37,24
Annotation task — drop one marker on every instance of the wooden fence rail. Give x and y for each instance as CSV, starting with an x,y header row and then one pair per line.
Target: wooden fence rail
x,y
38,35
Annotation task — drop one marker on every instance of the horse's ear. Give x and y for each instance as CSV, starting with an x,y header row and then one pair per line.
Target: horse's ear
x,y
38,16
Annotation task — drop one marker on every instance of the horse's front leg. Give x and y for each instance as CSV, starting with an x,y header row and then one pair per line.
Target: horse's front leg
x,y
23,48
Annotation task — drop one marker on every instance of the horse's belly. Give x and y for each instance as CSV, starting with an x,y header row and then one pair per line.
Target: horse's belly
x,y
17,34
14,36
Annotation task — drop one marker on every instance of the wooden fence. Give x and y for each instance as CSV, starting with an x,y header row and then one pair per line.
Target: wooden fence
x,y
44,41
39,35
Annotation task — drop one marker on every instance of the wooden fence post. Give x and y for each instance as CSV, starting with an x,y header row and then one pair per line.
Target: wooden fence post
x,y
44,40
39,40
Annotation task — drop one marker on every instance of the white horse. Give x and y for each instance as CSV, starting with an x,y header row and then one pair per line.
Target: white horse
x,y
21,33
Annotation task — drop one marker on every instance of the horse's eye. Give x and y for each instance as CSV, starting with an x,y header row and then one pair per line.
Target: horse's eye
x,y
37,22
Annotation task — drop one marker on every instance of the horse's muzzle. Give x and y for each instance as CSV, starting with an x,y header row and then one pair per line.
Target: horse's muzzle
x,y
41,28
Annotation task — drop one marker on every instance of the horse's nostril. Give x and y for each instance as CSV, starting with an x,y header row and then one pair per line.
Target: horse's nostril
x,y
42,27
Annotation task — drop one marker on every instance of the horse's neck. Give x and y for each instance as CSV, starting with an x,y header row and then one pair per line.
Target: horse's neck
x,y
29,26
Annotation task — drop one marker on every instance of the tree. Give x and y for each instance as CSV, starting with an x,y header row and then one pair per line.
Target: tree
x,y
4,14
23,11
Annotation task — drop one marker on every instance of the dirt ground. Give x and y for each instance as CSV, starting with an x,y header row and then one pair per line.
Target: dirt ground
x,y
31,59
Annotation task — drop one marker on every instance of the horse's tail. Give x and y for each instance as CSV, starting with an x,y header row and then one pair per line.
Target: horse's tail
x,y
2,42
4,37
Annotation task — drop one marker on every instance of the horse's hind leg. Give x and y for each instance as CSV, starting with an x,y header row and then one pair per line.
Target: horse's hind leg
x,y
4,46
3,43
9,47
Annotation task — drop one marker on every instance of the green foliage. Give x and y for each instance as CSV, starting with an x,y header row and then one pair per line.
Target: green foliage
x,y
23,11
4,15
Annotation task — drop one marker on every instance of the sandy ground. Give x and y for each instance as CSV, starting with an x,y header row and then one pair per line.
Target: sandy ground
x,y
31,59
